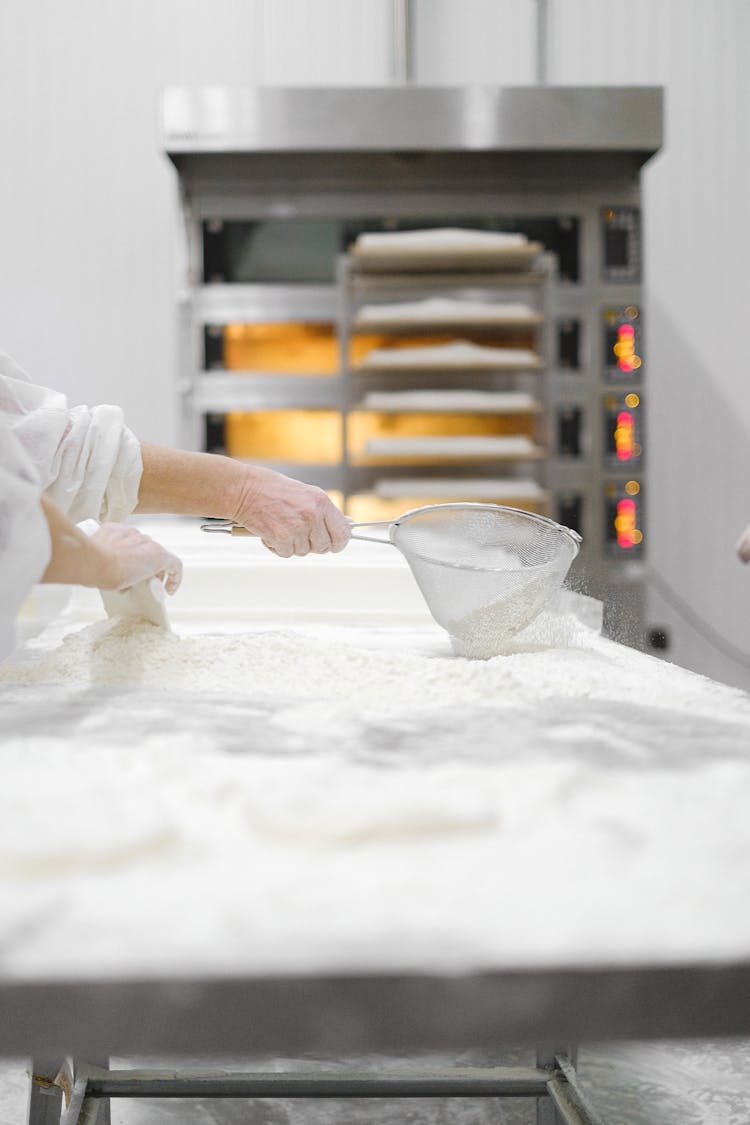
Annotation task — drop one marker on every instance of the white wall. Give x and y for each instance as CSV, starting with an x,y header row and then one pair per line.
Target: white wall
x,y
457,42
87,201
697,292
88,213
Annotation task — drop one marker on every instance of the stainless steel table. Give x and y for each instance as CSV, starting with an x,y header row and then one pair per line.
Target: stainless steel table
x,y
340,1015
608,828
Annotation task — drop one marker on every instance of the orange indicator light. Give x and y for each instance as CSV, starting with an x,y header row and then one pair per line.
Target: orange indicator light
x,y
624,435
628,534
624,348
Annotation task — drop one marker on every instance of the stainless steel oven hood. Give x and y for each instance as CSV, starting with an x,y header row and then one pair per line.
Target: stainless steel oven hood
x,y
590,119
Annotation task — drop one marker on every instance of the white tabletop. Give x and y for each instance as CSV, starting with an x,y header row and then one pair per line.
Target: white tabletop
x,y
285,793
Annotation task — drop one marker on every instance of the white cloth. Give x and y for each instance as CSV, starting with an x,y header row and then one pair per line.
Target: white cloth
x,y
24,536
87,460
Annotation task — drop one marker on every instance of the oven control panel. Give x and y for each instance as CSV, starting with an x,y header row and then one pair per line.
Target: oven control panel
x,y
621,244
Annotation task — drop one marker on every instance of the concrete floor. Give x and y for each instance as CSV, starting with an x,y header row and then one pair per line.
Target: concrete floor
x,y
686,1083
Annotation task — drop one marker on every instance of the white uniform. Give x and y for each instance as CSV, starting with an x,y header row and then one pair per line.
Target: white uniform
x,y
84,459
88,461
24,537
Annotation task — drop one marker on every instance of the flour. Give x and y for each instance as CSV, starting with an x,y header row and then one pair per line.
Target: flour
x,y
486,632
556,657
394,803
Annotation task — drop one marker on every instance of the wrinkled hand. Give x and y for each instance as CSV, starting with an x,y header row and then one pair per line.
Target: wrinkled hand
x,y
131,556
743,545
290,517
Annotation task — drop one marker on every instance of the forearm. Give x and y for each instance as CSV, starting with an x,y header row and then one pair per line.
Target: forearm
x,y
290,517
190,484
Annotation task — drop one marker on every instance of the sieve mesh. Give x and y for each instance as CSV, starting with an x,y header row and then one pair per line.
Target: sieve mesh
x,y
486,571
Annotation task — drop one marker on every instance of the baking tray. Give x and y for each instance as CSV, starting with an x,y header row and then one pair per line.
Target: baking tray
x,y
457,355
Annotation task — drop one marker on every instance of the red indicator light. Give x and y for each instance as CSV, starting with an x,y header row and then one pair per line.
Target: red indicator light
x,y
625,436
627,533
624,348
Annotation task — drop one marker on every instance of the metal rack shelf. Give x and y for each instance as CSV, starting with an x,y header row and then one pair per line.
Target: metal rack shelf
x,y
498,327
219,304
409,402
359,287
224,391
532,364
491,260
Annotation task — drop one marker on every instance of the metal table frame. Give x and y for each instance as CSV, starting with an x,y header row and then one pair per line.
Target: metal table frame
x,y
80,1093
340,1015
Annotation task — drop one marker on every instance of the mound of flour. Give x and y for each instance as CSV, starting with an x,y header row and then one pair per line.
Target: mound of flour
x,y
556,657
486,632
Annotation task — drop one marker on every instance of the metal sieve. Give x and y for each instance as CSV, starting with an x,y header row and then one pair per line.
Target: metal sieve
x,y
485,570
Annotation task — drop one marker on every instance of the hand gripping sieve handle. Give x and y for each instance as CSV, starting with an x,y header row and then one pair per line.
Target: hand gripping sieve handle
x,y
227,527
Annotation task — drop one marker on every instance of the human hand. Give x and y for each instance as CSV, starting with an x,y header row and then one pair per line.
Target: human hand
x,y
290,517
127,556
743,545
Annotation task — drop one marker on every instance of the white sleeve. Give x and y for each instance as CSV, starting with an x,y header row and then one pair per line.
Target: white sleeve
x,y
87,460
25,546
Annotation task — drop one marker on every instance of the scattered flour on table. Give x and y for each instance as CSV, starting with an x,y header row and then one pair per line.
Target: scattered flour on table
x,y
556,657
388,860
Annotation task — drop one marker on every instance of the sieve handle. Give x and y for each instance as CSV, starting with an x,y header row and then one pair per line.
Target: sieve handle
x,y
227,527
372,538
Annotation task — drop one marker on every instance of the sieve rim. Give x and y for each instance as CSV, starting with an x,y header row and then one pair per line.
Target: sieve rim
x,y
573,537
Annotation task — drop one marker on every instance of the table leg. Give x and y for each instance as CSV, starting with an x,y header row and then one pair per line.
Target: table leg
x,y
82,1108
45,1098
566,1103
104,1117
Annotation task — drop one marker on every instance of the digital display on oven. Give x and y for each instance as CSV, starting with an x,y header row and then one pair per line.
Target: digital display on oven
x,y
621,244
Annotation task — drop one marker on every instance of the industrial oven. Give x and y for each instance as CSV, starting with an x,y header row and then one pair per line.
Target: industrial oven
x,y
278,185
